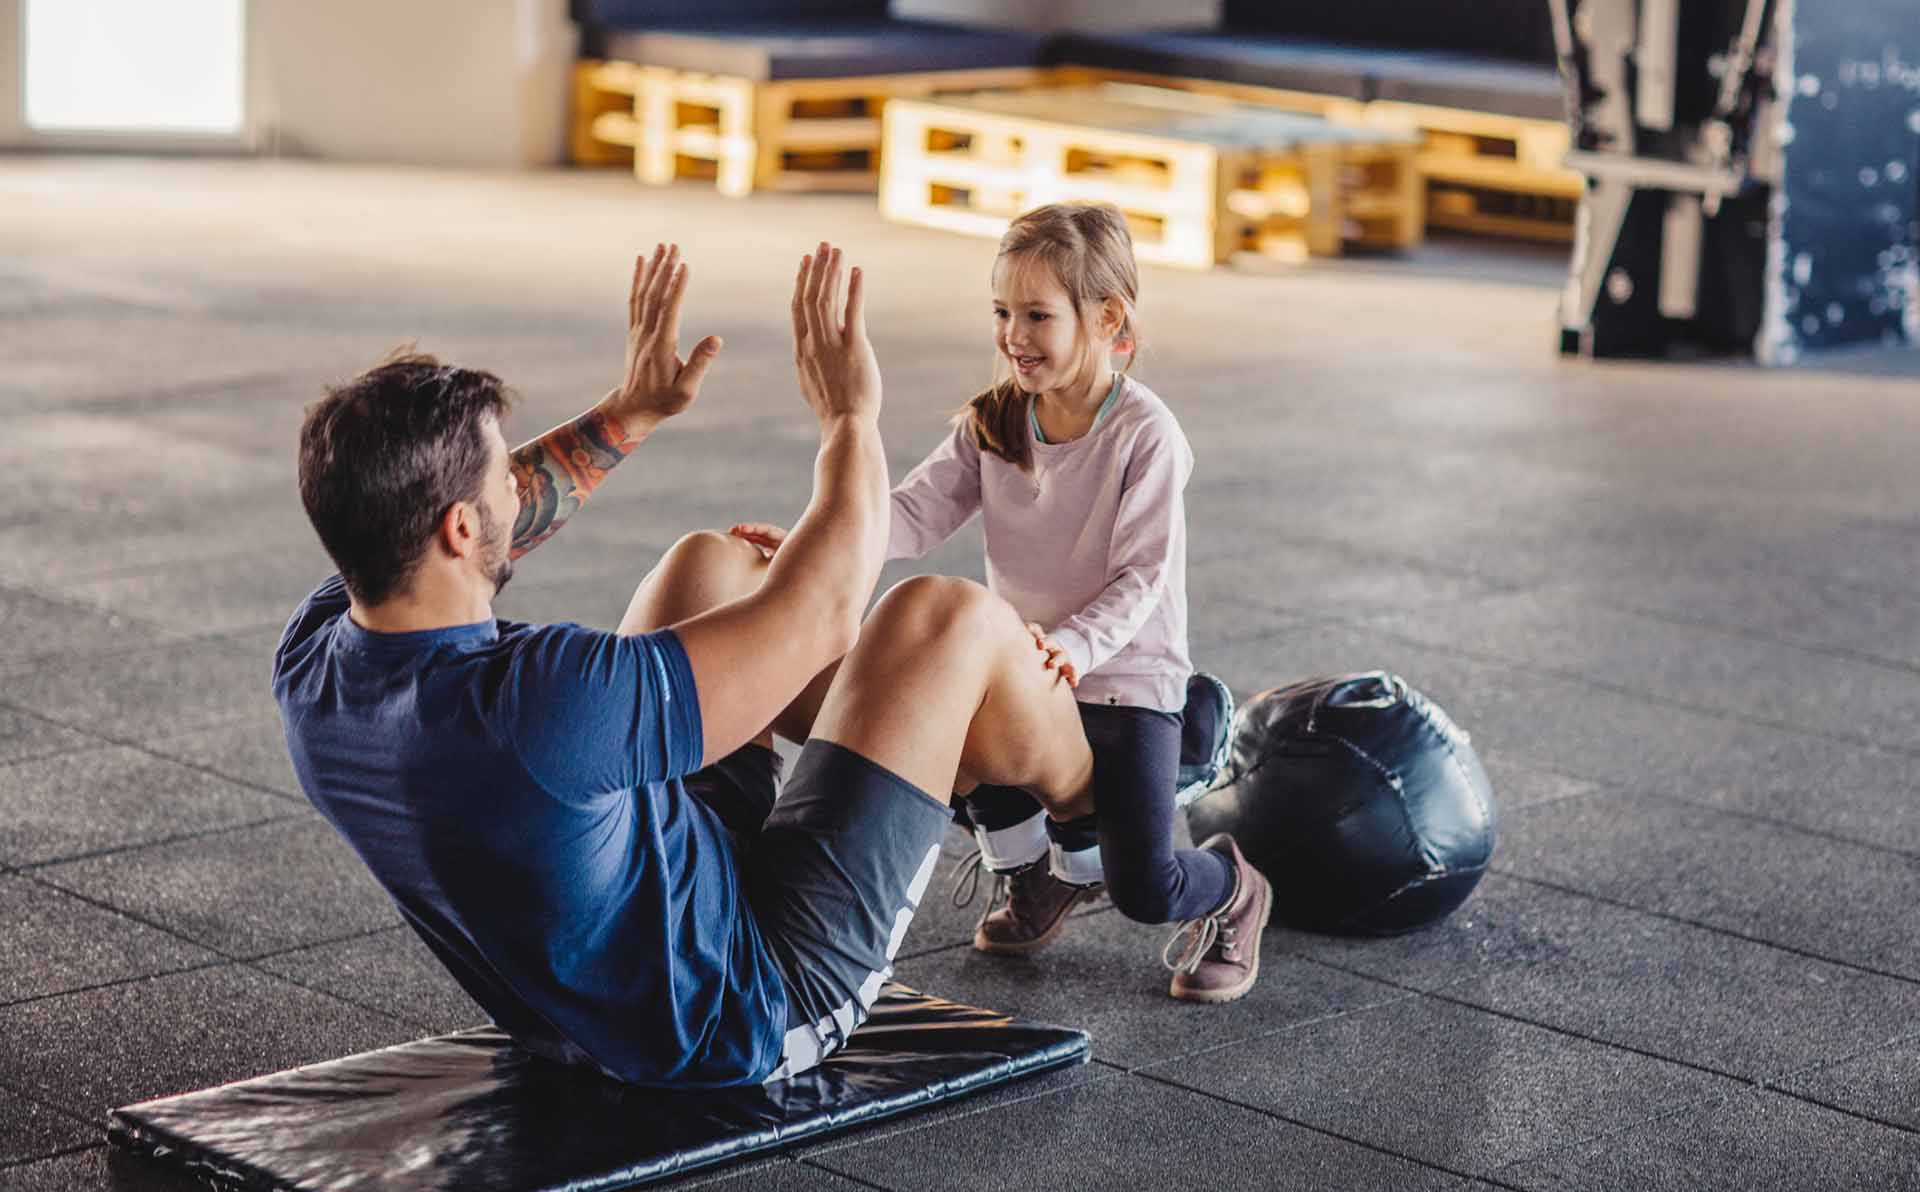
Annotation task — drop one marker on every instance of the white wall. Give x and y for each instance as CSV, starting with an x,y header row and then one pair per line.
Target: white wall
x,y
13,73
444,82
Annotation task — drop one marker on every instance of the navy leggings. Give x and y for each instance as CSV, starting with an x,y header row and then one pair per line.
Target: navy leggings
x,y
1136,759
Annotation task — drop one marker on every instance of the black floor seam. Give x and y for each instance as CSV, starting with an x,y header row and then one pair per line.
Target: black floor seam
x,y
1749,1083
124,913
1837,962
63,1152
247,959
1843,653
841,1175
1614,787
389,1015
290,949
100,739
97,986
1401,994
114,850
1323,1131
1845,1111
186,639
1684,1107
40,1099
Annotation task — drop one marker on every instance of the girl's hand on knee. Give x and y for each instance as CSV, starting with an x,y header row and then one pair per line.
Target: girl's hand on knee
x,y
764,535
1056,658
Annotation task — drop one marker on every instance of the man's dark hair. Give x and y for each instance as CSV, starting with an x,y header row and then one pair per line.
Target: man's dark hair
x,y
385,455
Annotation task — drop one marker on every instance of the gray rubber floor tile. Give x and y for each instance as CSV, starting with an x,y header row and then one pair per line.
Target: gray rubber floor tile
x,y
1882,1083
1573,728
68,545
242,893
1104,976
94,1169
1129,1132
143,695
1460,1088
1657,986
23,737
88,1052
1815,609
147,470
1760,879
390,971
1517,784
251,750
199,597
781,1175
32,1130
1497,930
110,797
54,943
36,630
1316,578
1687,664
1750,1142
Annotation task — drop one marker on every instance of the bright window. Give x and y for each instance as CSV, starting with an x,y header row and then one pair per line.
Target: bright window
x,y
135,65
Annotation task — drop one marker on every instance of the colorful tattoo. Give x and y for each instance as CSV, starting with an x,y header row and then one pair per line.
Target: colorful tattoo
x,y
557,471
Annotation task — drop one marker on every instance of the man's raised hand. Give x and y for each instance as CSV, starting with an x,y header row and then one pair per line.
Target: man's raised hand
x,y
838,373
658,383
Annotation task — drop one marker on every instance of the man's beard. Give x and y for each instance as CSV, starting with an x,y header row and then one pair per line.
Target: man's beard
x,y
496,553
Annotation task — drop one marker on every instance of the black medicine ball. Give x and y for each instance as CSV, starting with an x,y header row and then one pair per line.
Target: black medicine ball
x,y
1360,801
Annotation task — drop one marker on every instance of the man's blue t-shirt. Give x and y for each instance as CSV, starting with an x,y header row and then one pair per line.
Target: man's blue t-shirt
x,y
517,791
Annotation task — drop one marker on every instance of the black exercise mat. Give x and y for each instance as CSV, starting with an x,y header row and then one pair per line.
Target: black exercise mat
x,y
472,1111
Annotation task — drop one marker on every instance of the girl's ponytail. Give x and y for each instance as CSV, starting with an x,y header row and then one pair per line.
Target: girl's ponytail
x,y
998,419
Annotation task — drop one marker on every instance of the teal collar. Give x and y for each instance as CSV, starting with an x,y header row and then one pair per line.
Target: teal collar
x,y
1033,419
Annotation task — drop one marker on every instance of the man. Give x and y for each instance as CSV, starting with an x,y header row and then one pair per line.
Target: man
x,y
582,825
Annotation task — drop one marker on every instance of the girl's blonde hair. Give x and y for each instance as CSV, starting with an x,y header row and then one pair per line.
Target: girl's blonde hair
x,y
1088,250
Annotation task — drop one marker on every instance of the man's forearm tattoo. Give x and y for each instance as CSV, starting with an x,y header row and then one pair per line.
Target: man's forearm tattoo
x,y
558,470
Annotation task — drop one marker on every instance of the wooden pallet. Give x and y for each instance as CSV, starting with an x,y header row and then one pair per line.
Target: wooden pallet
x,y
1189,201
743,134
1498,175
1486,173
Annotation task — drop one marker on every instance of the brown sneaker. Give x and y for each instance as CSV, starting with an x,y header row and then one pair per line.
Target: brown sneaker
x,y
1036,909
1219,956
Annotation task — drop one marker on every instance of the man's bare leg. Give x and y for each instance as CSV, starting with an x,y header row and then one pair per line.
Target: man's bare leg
x,y
703,571
946,689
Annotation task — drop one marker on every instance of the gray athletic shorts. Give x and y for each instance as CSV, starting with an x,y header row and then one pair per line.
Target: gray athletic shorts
x,y
833,874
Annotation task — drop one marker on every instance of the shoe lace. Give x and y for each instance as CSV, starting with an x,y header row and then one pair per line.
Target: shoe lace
x,y
966,884
1196,938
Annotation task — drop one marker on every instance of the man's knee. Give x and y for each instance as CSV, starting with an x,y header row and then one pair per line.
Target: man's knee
x,y
928,610
702,571
705,550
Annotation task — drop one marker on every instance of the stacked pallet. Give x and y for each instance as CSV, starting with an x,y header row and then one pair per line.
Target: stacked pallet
x,y
745,134
1198,180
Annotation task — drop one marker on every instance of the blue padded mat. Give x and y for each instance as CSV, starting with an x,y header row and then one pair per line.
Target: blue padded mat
x,y
472,1111
819,50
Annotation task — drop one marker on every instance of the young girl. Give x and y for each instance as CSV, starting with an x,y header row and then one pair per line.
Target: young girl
x,y
1078,472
